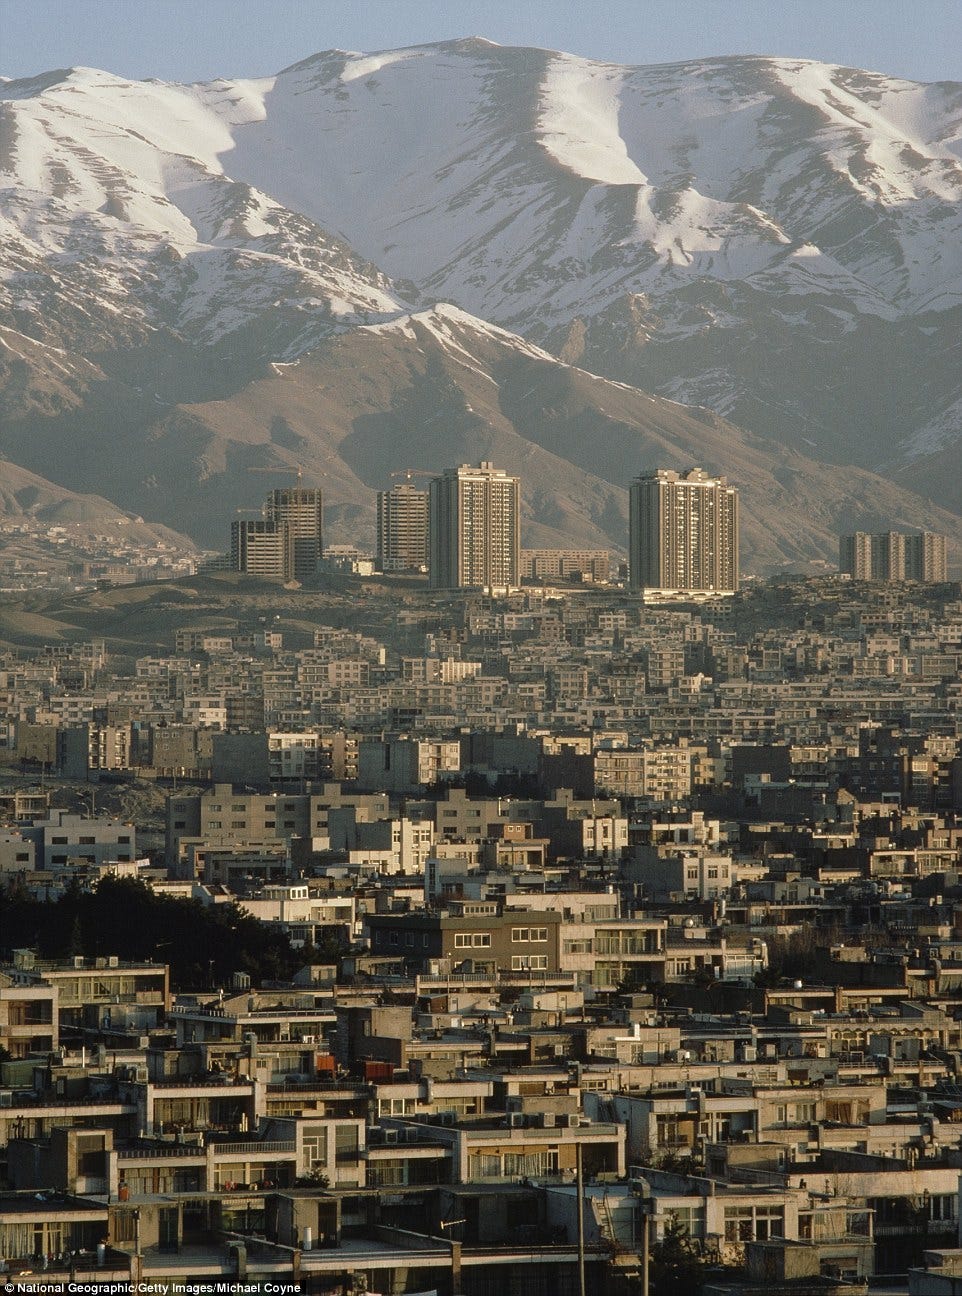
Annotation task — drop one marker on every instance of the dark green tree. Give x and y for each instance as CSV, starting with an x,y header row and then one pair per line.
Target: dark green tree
x,y
677,1267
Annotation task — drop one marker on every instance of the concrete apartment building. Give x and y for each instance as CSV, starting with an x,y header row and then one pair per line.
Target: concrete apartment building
x,y
471,936
285,543
565,564
475,529
665,773
102,994
893,556
64,838
402,529
222,815
262,547
683,533
299,509
406,765
29,1017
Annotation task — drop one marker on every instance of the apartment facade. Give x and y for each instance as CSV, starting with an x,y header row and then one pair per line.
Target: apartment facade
x,y
402,529
683,533
893,556
475,528
300,510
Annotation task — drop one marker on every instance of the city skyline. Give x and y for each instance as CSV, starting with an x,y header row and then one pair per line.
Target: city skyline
x,y
387,906
683,536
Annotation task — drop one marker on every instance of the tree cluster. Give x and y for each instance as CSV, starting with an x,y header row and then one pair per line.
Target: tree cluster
x,y
203,945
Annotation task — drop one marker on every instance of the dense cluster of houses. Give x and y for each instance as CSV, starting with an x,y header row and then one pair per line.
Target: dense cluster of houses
x,y
626,933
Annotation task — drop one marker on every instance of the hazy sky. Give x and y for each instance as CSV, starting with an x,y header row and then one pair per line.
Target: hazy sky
x,y
199,39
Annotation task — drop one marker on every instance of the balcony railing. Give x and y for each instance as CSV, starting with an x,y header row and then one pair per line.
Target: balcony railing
x,y
256,1149
218,1080
166,1150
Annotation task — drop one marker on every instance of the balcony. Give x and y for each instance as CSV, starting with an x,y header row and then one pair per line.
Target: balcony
x,y
271,1147
169,1150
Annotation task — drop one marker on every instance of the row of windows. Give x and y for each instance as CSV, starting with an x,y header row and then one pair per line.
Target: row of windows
x,y
529,963
244,809
88,841
395,939
472,940
519,934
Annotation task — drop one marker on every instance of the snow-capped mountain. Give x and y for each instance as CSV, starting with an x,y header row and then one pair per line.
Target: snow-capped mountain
x,y
120,220
777,240
734,232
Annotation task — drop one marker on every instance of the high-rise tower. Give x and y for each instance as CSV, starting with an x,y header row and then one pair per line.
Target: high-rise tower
x,y
402,529
475,528
683,533
300,510
262,547
893,556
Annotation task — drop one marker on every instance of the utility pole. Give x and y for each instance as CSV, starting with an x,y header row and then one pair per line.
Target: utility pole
x,y
647,1207
645,1241
579,1194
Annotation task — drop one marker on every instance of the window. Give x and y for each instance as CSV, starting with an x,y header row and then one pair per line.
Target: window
x,y
738,1224
529,962
345,1144
754,1223
315,1146
472,940
943,1206
769,1222
689,1218
583,946
125,1226
527,934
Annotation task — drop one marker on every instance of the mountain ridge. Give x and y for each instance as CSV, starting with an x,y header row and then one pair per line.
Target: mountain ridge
x,y
770,239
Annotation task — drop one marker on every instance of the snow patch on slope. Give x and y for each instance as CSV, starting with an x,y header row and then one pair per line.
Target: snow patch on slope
x,y
579,120
444,321
365,65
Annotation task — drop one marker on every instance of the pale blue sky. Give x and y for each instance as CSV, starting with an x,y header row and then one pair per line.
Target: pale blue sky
x,y
200,39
